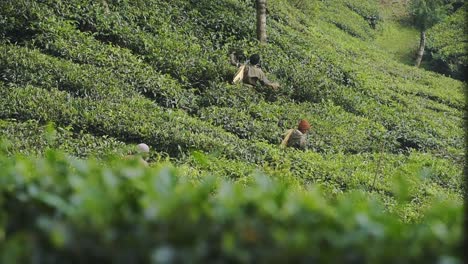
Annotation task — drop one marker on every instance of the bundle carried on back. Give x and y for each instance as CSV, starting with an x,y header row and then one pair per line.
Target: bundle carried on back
x,y
239,74
296,138
288,134
250,72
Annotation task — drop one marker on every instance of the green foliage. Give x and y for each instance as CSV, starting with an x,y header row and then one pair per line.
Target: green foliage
x,y
399,40
31,138
447,45
16,14
426,13
99,58
175,133
109,74
367,9
84,211
23,66
170,132
107,78
359,23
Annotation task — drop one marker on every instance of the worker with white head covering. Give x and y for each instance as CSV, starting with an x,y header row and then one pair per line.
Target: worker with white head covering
x,y
142,154
142,148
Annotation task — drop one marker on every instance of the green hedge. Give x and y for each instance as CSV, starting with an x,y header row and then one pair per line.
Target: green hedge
x,y
128,119
58,209
446,45
357,23
156,72
32,138
62,39
172,50
320,65
333,129
368,9
24,66
177,134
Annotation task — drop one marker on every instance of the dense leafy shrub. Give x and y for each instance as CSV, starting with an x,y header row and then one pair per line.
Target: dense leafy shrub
x,y
16,15
364,18
131,119
25,66
330,133
109,72
175,133
165,47
368,9
62,39
83,211
32,138
315,66
447,46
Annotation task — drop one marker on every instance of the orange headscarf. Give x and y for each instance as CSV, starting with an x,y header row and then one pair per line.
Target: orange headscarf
x,y
303,126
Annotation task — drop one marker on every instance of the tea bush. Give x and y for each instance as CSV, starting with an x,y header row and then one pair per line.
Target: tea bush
x,y
108,55
127,119
32,138
447,46
104,54
84,211
23,66
163,133
369,10
353,23
110,74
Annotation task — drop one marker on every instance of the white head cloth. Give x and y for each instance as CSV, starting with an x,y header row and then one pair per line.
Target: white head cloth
x,y
142,147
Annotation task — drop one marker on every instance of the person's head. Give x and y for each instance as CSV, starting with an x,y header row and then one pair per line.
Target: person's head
x,y
142,150
254,59
303,126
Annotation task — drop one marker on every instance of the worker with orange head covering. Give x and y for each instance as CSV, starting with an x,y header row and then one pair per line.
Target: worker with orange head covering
x,y
297,138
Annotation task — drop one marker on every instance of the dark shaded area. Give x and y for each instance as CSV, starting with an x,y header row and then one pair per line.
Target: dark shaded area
x,y
440,66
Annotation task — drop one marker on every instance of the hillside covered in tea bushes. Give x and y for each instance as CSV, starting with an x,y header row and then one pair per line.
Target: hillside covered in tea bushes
x,y
94,78
447,45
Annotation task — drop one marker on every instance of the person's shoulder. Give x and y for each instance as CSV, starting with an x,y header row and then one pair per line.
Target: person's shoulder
x,y
297,132
257,70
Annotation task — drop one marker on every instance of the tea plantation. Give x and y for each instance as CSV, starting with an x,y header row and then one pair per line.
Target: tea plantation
x,y
82,82
448,46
